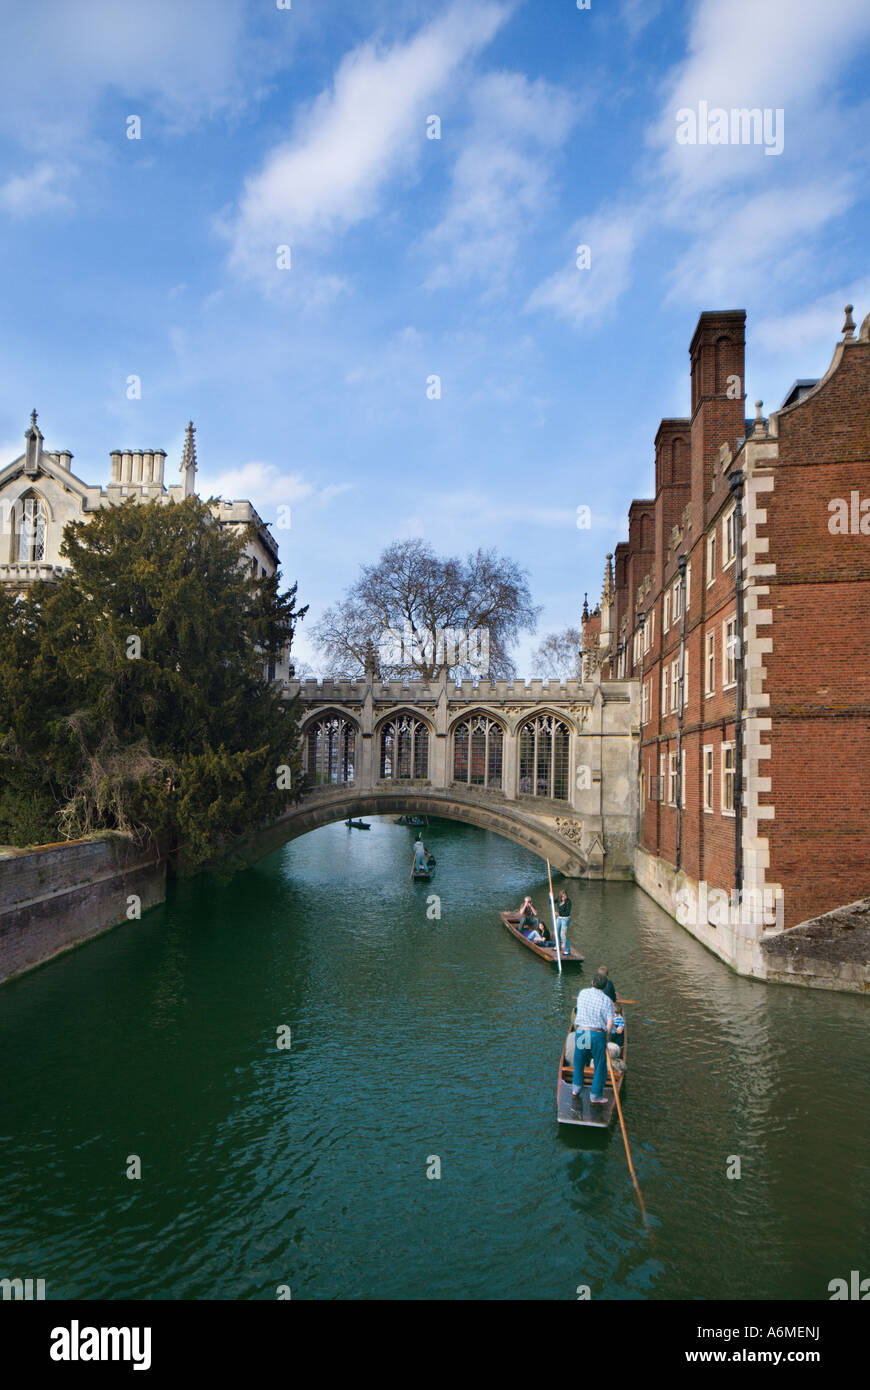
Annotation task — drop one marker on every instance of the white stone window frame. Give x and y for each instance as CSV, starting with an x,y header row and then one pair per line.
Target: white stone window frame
x,y
644,703
723,779
729,538
683,778
672,779
708,766
30,515
675,684
666,611
710,662
711,559
727,656
664,689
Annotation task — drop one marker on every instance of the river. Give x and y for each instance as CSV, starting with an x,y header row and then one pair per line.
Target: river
x,y
416,1037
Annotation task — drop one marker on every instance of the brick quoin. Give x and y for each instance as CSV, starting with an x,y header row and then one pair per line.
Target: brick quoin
x,y
805,647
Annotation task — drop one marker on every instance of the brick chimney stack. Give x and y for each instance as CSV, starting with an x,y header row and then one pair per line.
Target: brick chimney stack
x,y
718,397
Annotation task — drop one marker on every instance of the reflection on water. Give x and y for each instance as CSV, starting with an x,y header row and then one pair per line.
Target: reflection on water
x,y
420,1029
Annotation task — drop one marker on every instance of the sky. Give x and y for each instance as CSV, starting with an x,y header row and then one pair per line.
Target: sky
x,y
343,240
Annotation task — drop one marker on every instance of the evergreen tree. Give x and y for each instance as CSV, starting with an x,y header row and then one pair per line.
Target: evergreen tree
x,y
133,695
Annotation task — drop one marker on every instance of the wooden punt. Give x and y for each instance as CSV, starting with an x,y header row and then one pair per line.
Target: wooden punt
x,y
511,921
424,873
579,1110
357,825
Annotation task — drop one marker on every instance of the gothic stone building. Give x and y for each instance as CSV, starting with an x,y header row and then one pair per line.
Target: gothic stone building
x,y
39,494
741,604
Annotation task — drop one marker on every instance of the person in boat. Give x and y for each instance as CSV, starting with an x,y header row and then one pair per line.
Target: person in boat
x,y
617,1035
528,915
421,856
594,1015
529,923
609,987
563,917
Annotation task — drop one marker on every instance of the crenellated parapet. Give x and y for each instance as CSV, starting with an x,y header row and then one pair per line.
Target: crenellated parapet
x,y
500,692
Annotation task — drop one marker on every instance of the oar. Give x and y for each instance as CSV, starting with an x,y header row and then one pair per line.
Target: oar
x,y
624,1135
553,911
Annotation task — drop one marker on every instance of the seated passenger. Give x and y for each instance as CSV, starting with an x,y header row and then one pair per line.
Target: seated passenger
x,y
528,915
617,1035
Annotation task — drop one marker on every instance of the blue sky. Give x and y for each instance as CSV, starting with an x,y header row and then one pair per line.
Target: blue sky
x,y
413,257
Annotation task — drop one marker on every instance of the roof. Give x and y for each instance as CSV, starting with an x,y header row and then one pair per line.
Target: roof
x,y
799,388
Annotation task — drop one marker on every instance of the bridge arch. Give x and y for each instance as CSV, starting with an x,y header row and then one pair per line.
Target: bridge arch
x,y
522,825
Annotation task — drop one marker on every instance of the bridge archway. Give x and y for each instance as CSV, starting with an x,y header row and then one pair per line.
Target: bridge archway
x,y
512,821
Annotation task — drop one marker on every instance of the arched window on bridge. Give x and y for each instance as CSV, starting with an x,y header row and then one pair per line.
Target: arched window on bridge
x,y
329,744
478,745
544,769
404,753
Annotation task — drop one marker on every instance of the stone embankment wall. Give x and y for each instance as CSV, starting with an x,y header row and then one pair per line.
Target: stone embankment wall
x,y
54,896
827,952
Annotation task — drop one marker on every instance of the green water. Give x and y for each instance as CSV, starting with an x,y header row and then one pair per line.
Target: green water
x,y
415,1038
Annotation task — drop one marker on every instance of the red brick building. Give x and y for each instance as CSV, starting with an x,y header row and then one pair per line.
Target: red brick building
x,y
741,603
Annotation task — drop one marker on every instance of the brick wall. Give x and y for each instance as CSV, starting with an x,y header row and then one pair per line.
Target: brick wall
x,y
54,896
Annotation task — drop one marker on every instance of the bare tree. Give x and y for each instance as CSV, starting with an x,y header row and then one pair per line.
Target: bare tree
x,y
415,614
558,656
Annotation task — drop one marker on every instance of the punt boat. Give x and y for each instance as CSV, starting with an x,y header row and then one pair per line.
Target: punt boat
x,y
579,1110
511,921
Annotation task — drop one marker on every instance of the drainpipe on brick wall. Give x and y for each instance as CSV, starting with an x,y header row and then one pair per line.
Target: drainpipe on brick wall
x,y
681,566
642,625
735,482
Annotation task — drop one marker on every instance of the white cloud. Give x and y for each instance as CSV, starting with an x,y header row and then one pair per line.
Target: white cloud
x,y
583,296
501,178
754,240
43,189
738,218
264,483
637,14
814,327
364,130
774,53
189,59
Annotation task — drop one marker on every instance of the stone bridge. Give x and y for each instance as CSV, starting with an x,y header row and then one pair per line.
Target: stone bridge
x,y
551,766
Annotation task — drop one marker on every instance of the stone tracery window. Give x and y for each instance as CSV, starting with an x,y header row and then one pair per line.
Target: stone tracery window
x,y
478,745
330,744
404,749
30,529
544,743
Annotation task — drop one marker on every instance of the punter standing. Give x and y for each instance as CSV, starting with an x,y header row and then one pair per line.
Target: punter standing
x,y
563,917
594,1013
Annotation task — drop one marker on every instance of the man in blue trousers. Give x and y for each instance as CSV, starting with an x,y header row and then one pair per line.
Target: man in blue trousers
x,y
593,1021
